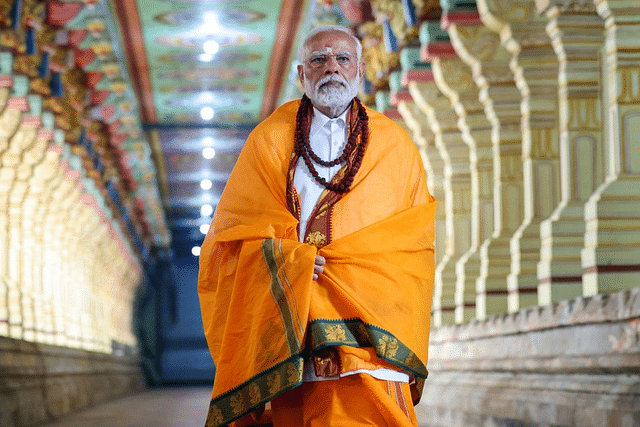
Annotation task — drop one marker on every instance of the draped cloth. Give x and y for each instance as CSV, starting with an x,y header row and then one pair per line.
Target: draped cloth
x,y
262,311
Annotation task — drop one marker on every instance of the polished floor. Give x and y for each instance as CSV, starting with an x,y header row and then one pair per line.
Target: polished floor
x,y
166,407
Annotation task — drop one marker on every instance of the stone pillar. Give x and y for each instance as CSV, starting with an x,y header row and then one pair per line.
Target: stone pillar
x,y
54,251
576,32
10,118
23,202
480,48
535,67
612,244
442,120
50,172
11,189
453,78
476,131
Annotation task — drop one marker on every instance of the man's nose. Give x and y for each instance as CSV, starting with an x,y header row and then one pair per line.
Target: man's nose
x,y
332,65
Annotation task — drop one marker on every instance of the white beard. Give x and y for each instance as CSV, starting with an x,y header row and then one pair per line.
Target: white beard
x,y
334,98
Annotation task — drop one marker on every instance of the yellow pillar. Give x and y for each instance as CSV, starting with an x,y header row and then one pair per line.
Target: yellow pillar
x,y
577,34
476,131
611,257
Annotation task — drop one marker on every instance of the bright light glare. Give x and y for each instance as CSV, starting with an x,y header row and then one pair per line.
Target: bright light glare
x,y
206,210
206,97
207,113
208,153
205,57
195,250
211,47
206,184
204,228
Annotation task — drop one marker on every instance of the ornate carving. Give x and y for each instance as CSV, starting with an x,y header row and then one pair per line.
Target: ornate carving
x,y
379,62
393,11
479,41
428,9
573,6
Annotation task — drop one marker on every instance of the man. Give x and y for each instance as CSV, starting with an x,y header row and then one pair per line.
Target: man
x,y
316,276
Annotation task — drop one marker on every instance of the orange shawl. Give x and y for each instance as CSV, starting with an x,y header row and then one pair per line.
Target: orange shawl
x,y
260,307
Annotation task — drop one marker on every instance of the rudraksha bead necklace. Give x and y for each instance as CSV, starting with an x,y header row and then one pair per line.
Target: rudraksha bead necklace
x,y
303,146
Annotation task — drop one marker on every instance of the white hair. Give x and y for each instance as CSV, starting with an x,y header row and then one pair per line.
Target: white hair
x,y
328,29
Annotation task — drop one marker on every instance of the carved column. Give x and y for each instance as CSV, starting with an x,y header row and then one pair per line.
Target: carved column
x,y
612,243
442,121
69,277
10,188
476,131
10,119
535,67
23,202
51,173
576,32
480,48
453,78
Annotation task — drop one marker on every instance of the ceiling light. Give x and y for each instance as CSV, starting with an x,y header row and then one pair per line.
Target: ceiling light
x,y
195,250
206,184
211,23
204,228
205,57
206,210
208,153
207,113
211,47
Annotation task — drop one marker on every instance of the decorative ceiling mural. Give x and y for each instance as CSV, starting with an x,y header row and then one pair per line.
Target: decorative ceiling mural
x,y
202,70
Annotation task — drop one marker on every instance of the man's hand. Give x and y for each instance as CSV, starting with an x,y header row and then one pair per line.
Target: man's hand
x,y
318,268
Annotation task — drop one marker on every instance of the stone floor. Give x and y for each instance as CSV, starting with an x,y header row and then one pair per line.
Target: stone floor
x,y
165,407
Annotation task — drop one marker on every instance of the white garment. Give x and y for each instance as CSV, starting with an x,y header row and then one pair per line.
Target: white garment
x,y
327,138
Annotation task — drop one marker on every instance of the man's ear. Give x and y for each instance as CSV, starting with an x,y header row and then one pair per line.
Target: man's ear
x,y
301,74
361,69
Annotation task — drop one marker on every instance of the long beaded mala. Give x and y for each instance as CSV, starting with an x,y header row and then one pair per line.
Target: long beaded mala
x,y
303,146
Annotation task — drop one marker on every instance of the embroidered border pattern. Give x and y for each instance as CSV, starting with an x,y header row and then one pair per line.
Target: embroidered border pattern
x,y
279,294
256,392
356,333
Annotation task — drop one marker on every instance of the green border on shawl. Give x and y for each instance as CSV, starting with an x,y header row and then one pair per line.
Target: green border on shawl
x,y
356,333
252,394
279,294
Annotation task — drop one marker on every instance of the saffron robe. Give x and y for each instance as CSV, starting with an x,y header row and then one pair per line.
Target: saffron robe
x,y
261,309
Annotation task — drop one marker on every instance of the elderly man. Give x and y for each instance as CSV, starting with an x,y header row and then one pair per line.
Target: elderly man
x,y
316,276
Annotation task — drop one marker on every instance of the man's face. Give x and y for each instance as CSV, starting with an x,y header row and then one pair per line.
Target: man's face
x,y
331,72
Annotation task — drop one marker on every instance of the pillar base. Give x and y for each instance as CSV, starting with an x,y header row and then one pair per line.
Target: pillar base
x,y
611,258
491,285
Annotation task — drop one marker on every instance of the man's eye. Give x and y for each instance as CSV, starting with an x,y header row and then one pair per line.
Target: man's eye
x,y
319,60
343,59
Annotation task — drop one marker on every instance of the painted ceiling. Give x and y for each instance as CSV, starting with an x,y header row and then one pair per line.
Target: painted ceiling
x,y
206,73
